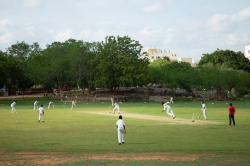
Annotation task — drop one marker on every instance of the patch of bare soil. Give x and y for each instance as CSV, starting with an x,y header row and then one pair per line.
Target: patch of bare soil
x,y
38,95
55,158
161,119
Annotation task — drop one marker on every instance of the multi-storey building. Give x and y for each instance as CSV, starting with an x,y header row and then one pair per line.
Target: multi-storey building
x,y
153,54
247,52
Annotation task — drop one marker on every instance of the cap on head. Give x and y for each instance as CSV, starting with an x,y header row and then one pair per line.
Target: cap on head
x,y
120,117
231,104
41,105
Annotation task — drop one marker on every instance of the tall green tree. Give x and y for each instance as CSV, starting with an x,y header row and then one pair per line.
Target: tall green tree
x,y
18,56
118,63
227,59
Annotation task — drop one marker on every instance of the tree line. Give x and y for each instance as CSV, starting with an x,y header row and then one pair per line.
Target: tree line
x,y
113,63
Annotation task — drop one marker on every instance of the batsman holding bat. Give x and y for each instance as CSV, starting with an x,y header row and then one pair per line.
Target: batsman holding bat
x,y
203,110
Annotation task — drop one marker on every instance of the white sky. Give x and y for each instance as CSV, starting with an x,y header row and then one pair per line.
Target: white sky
x,y
189,28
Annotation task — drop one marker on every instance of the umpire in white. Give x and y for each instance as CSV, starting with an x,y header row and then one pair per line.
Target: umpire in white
x,y
120,124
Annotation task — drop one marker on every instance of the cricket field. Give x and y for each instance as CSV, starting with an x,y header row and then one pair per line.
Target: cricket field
x,y
87,134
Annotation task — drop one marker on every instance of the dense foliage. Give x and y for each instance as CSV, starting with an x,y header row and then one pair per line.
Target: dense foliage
x,y
115,63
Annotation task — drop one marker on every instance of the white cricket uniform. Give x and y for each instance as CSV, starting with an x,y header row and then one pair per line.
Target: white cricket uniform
x,y
36,105
120,129
203,110
51,104
171,100
112,101
73,104
169,110
41,113
13,107
116,107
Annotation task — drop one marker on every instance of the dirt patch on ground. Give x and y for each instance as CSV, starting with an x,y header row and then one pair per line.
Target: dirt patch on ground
x,y
55,158
161,119
23,96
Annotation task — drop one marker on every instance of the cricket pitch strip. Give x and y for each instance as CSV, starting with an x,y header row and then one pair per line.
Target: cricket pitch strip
x,y
161,119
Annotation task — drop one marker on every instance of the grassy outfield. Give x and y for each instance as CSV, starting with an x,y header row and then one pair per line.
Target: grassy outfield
x,y
80,137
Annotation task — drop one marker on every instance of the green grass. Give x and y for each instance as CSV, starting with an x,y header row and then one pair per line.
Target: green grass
x,y
76,132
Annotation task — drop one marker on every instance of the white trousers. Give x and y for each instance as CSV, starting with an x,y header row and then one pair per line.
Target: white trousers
x,y
13,109
52,106
204,114
72,106
41,116
170,112
35,107
118,108
120,135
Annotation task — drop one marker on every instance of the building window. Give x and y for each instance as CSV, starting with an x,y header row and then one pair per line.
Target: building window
x,y
152,57
248,51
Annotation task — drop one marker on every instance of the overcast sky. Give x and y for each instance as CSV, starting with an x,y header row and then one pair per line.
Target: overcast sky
x,y
189,28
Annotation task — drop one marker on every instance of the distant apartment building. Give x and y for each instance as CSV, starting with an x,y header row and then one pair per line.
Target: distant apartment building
x,y
247,52
188,60
153,54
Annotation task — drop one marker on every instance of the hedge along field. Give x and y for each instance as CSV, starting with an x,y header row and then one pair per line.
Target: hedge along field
x,y
87,135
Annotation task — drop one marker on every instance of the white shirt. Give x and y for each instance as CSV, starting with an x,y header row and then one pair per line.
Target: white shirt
x,y
166,106
120,123
40,110
35,103
116,105
73,103
51,103
203,106
13,104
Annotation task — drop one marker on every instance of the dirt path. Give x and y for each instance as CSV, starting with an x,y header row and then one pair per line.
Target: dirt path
x,y
8,158
23,96
155,118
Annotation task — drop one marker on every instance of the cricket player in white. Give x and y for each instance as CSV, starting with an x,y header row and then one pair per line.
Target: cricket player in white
x,y
169,110
41,114
51,104
116,107
13,107
112,101
203,110
73,104
171,101
36,105
120,124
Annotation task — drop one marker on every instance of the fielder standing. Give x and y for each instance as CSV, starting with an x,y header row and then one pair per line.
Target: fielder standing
x,y
36,105
73,104
13,107
169,110
231,114
203,110
51,104
41,114
120,124
116,107
171,101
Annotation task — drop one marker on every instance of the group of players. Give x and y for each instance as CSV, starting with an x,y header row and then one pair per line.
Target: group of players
x,y
120,123
166,107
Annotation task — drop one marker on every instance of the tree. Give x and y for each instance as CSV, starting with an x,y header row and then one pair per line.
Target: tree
x,y
227,59
4,73
18,58
118,64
